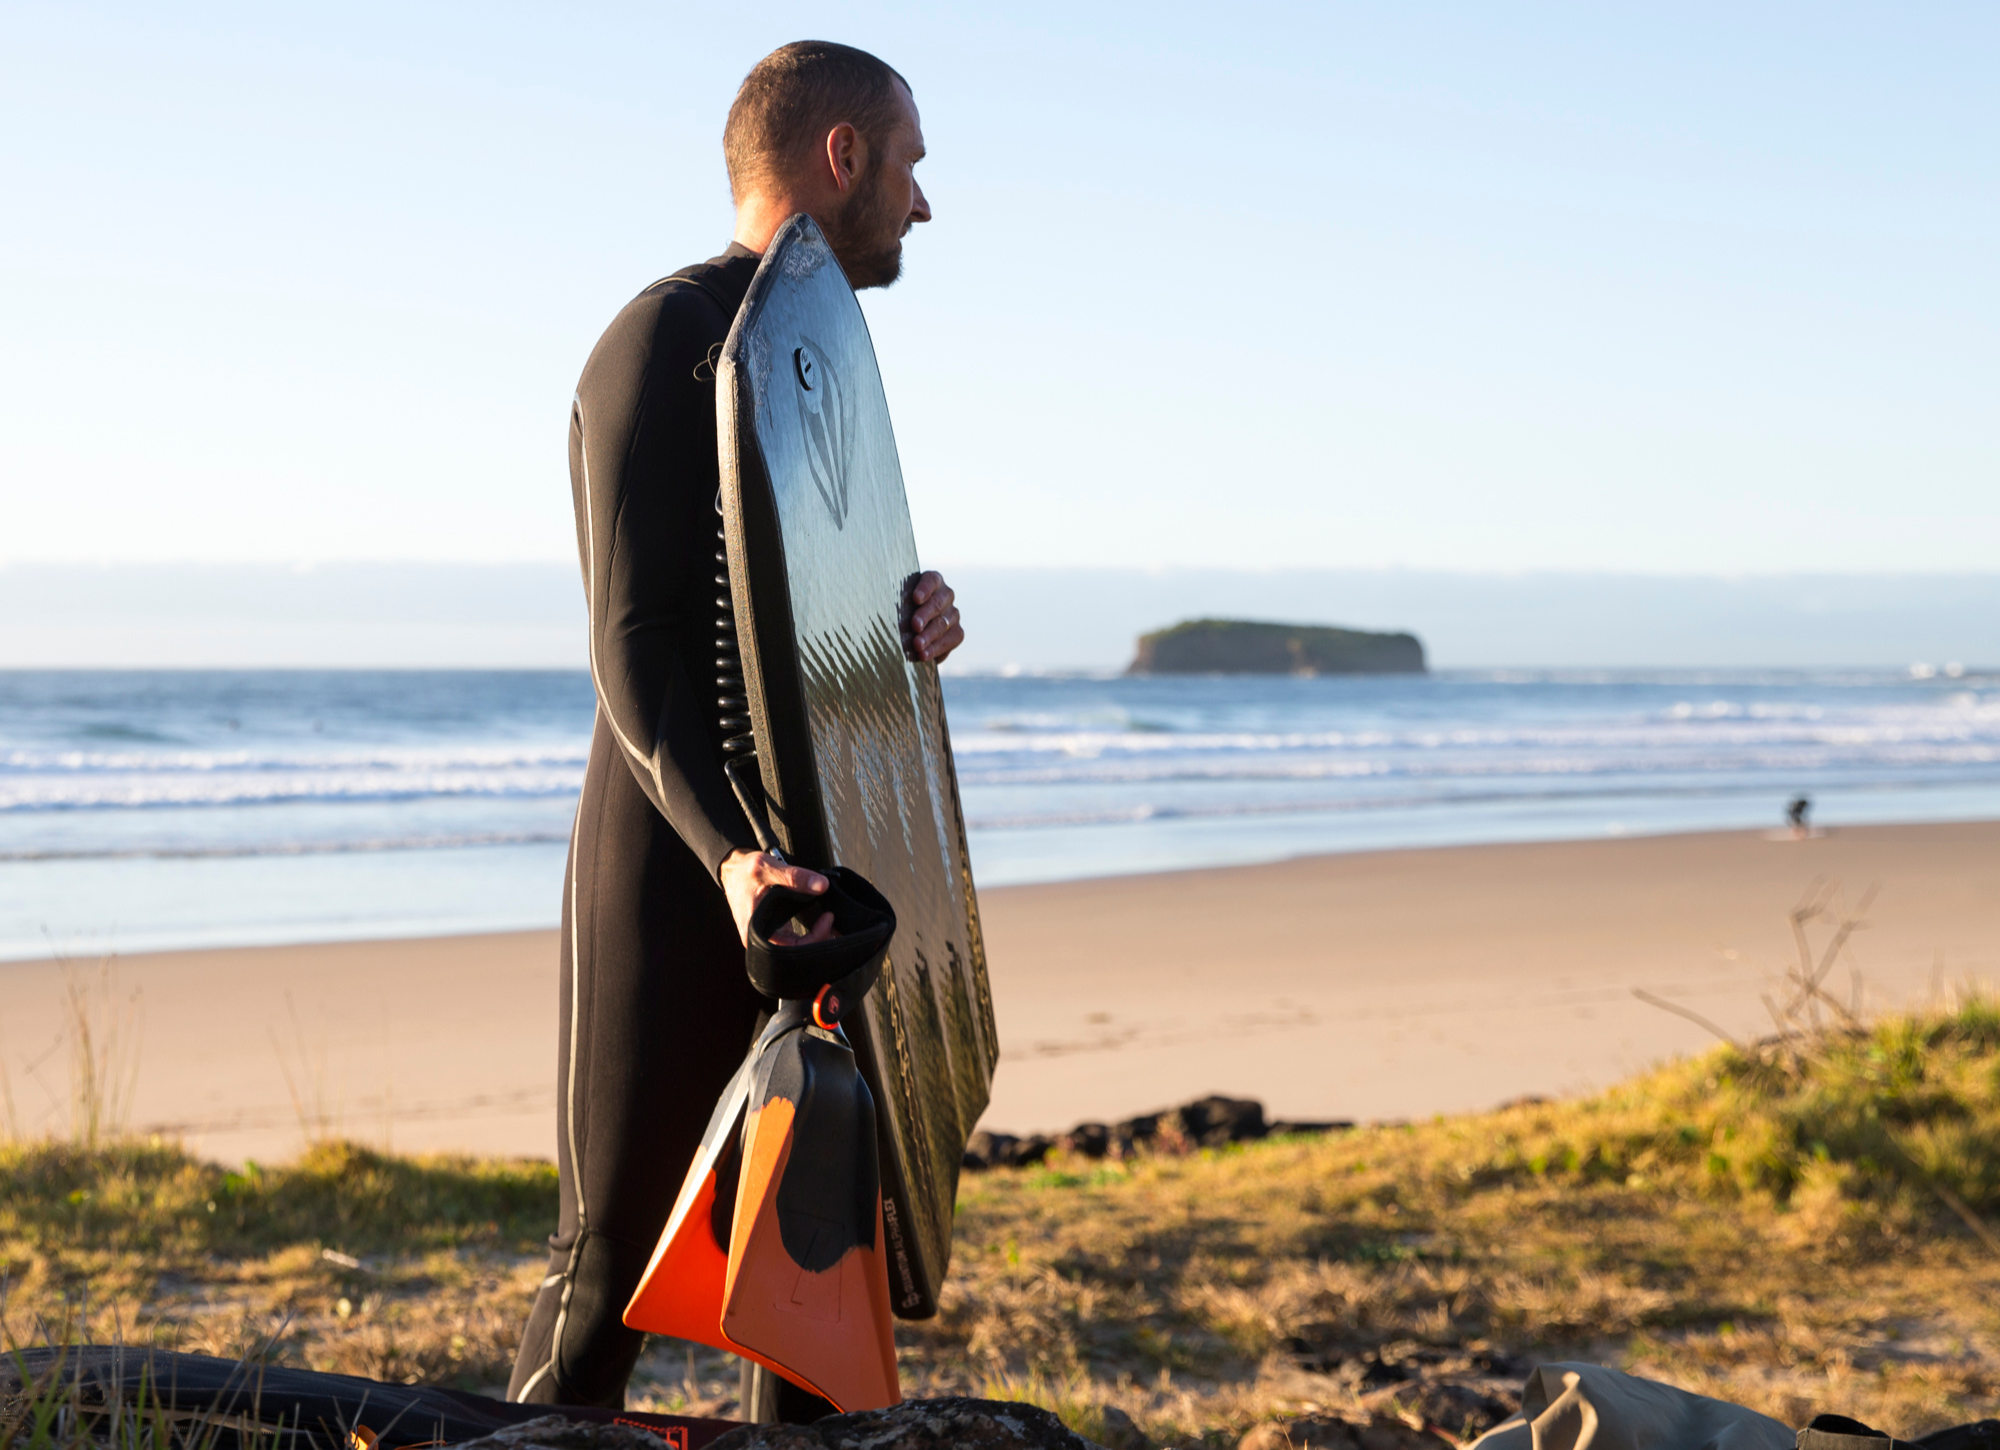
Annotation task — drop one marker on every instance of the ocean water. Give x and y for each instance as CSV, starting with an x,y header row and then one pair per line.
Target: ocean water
x,y
145,810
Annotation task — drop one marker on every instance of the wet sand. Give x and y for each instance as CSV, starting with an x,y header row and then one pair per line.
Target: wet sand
x,y
1382,985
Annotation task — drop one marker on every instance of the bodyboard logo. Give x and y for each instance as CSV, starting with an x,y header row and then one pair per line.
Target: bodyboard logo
x,y
823,421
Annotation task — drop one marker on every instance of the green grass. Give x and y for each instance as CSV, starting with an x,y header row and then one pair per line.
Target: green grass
x,y
153,1199
141,1242
1800,1227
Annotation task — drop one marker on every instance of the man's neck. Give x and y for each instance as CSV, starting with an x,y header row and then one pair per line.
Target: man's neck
x,y
759,217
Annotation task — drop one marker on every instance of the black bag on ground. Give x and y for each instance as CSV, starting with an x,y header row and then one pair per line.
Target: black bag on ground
x,y
228,1403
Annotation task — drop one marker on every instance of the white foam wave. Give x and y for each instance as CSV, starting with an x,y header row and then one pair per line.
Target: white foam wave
x,y
140,779
1887,729
457,757
441,841
1646,764
149,790
1100,743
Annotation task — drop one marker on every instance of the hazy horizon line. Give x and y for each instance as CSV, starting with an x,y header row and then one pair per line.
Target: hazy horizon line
x,y
1040,617
308,566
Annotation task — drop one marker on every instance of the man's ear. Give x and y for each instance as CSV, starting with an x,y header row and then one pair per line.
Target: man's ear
x,y
846,155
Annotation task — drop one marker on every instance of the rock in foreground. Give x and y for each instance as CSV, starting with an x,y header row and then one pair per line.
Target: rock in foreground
x,y
559,1432
1325,1432
1248,647
918,1425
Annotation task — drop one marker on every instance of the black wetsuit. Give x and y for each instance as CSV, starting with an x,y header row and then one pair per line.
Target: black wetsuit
x,y
656,1010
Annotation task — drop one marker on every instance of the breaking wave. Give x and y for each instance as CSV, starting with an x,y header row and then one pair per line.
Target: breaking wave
x,y
1724,737
448,841
54,780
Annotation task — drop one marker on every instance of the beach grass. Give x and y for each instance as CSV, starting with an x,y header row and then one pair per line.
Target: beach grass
x,y
1799,1226
346,1259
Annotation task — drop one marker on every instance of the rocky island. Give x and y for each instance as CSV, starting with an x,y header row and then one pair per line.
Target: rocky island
x,y
1248,647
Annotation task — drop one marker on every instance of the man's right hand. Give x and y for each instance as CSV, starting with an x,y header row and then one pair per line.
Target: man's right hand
x,y
747,875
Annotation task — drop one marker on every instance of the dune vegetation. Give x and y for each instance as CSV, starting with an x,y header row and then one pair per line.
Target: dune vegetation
x,y
1801,1225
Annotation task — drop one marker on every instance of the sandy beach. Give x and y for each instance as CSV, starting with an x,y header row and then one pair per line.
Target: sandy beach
x,y
1369,986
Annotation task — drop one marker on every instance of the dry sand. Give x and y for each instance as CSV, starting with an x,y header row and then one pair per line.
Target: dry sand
x,y
1385,985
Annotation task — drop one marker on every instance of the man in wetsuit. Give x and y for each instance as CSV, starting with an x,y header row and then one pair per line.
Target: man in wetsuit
x,y
664,870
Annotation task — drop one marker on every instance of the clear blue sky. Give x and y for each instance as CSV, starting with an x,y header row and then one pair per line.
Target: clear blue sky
x,y
1666,288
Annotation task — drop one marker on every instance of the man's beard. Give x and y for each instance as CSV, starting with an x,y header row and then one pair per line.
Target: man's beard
x,y
868,244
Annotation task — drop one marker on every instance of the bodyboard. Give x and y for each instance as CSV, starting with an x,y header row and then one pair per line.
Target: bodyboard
x,y
853,750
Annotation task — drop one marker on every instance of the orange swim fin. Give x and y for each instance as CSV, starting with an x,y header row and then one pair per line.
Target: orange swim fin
x,y
807,1290
681,1291
775,1248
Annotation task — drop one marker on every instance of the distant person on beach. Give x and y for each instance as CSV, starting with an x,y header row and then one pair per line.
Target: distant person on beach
x,y
1796,814
664,870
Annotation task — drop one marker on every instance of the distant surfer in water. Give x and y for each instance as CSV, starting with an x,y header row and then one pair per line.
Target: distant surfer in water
x,y
664,869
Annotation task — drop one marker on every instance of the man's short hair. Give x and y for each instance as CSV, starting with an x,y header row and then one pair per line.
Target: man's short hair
x,y
793,97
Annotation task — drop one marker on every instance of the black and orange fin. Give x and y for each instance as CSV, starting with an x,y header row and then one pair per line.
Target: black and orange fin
x,y
807,1287
680,1293
775,1247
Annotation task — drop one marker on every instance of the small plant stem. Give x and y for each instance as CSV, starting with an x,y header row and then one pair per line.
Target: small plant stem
x,y
1679,1011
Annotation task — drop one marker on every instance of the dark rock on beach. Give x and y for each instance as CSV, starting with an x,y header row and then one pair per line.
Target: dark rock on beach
x,y
1213,1122
1092,1140
1004,1150
917,1425
1284,1128
1134,1133
1210,1122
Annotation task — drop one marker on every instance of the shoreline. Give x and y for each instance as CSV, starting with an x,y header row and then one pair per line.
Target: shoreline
x,y
1364,985
248,938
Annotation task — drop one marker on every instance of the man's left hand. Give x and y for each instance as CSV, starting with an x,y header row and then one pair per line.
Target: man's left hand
x,y
934,630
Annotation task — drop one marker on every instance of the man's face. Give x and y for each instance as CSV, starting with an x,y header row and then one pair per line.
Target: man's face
x,y
885,203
